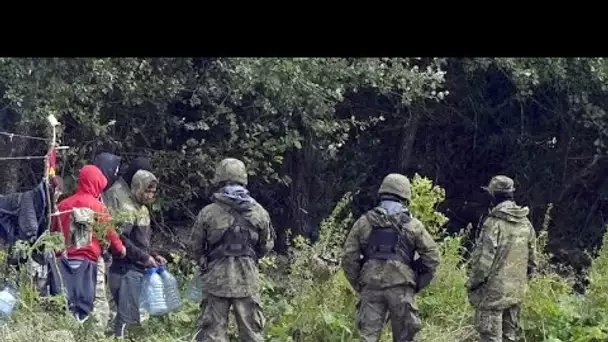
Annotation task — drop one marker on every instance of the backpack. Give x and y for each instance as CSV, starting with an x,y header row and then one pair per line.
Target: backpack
x,y
81,227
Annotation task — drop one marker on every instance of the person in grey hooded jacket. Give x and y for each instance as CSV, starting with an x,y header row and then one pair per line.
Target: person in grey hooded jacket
x,y
120,190
126,275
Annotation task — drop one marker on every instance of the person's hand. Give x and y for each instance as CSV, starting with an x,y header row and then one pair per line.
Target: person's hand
x,y
160,260
123,252
151,262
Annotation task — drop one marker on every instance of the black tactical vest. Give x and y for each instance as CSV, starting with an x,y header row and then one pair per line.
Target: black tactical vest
x,y
388,243
237,241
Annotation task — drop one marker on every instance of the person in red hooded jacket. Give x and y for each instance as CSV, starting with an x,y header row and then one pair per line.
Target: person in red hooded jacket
x,y
91,184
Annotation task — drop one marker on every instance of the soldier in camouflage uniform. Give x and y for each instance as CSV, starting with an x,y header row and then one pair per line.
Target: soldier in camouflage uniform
x,y
502,261
229,236
379,263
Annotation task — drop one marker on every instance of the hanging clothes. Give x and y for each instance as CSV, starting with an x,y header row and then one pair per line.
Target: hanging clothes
x,y
77,278
23,215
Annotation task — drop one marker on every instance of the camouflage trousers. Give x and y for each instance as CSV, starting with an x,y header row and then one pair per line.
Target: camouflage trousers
x,y
398,303
101,306
498,325
213,321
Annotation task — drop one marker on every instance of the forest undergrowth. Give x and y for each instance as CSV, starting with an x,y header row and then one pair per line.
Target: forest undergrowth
x,y
307,298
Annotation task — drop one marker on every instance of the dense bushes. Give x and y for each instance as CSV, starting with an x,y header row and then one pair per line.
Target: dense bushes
x,y
312,129
307,298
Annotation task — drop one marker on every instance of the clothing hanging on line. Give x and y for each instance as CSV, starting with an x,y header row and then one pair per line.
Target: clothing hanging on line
x,y
23,214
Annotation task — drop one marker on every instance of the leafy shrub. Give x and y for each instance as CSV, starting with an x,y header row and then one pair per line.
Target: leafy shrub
x,y
314,315
307,298
444,308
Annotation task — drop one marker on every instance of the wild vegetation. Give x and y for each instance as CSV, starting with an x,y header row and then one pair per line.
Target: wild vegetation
x,y
307,299
311,130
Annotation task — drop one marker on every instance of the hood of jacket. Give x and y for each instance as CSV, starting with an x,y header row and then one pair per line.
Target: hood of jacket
x,y
91,181
510,211
139,163
387,212
235,196
109,164
140,182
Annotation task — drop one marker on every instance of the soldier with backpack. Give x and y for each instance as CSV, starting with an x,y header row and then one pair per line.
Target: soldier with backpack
x,y
230,235
379,263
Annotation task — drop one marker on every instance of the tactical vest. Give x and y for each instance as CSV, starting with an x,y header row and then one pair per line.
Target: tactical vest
x,y
237,241
388,243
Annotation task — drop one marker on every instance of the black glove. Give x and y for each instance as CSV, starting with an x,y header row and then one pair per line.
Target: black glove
x,y
423,275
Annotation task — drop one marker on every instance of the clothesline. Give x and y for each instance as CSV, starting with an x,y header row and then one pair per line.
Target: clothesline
x,y
33,157
23,158
57,213
11,135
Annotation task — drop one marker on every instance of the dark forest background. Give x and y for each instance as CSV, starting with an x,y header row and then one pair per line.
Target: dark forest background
x,y
310,130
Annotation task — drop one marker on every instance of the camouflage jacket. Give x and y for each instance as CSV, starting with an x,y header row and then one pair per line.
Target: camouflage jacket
x,y
503,258
132,218
231,276
379,274
122,204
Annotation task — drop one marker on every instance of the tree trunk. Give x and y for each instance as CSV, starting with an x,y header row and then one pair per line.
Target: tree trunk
x,y
408,137
300,191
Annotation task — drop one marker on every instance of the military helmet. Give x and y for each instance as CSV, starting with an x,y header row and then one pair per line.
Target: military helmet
x,y
230,170
500,183
396,184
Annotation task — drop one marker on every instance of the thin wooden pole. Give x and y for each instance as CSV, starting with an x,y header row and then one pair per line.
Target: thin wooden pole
x,y
50,201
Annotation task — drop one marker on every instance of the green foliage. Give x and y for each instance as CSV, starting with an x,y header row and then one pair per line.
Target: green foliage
x,y
334,229
306,297
187,113
596,300
443,305
425,199
312,129
552,312
312,315
325,118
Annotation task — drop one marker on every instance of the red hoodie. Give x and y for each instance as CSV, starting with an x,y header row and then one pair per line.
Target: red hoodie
x,y
91,183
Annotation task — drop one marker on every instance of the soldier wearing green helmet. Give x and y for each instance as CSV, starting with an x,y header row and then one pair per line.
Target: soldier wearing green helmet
x,y
379,263
230,235
503,259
